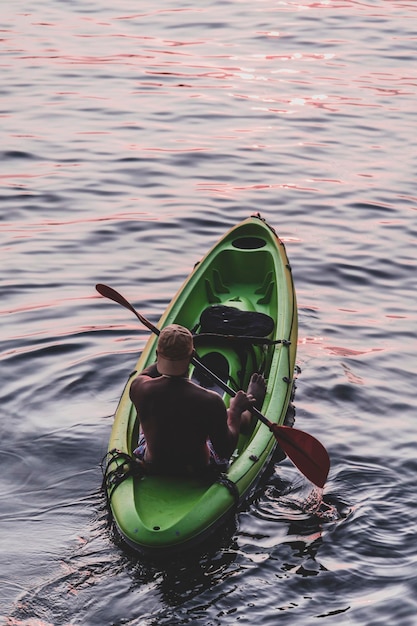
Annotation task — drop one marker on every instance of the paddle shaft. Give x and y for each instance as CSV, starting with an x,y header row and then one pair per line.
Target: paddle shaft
x,y
108,292
306,452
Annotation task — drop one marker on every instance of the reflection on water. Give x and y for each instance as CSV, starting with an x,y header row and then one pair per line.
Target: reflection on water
x,y
92,569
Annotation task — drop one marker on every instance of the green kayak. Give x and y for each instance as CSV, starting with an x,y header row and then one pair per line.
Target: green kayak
x,y
239,301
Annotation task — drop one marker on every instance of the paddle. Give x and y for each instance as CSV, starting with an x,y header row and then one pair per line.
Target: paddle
x,y
304,450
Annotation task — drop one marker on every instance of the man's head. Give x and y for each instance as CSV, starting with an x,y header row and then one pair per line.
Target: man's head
x,y
174,350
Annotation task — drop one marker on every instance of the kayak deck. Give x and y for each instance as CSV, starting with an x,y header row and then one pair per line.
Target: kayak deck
x,y
247,270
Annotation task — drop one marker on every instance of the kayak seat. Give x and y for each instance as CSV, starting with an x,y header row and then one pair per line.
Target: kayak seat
x,y
241,330
228,320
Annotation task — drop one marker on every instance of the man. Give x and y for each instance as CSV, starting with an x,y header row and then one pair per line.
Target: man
x,y
186,428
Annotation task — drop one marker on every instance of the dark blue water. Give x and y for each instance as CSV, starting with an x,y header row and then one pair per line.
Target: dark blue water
x,y
133,135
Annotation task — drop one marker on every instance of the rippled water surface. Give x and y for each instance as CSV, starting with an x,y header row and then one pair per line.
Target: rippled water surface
x,y
133,135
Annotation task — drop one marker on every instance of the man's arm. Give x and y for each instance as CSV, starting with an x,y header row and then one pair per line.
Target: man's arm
x,y
149,372
225,425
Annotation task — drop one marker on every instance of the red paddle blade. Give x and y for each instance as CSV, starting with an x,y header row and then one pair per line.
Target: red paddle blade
x,y
305,451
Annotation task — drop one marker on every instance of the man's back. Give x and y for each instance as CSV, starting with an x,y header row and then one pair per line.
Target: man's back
x,y
177,417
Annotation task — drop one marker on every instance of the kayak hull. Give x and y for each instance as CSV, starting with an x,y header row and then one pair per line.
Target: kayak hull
x,y
248,270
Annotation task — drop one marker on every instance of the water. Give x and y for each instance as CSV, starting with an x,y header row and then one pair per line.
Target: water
x,y
132,137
